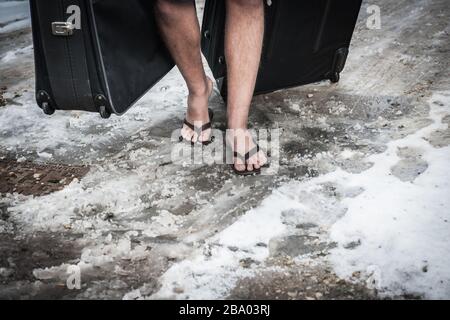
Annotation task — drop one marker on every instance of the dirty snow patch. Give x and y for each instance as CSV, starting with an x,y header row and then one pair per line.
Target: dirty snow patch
x,y
403,227
399,230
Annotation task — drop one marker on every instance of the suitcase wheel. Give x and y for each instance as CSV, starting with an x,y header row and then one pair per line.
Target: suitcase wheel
x,y
44,102
104,113
47,108
101,103
335,77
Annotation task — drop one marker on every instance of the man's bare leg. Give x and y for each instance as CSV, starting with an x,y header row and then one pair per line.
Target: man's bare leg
x,y
243,46
177,20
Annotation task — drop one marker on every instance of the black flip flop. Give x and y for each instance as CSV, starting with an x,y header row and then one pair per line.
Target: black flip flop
x,y
199,130
245,159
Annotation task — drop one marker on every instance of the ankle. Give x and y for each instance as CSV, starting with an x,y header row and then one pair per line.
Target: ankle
x,y
235,134
200,90
238,126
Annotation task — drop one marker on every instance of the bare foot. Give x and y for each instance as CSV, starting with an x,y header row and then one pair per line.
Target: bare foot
x,y
242,142
197,114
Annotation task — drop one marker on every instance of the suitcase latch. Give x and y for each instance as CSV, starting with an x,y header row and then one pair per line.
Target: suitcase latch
x,y
63,29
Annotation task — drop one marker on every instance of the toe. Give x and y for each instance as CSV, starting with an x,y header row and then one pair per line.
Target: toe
x,y
189,136
194,137
249,167
185,134
239,167
205,136
254,163
262,159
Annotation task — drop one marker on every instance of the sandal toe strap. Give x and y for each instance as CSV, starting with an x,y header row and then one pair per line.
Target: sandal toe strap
x,y
251,153
206,126
198,130
248,155
189,125
240,156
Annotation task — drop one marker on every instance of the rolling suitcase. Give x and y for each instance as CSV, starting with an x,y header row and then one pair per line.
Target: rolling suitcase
x,y
95,55
304,42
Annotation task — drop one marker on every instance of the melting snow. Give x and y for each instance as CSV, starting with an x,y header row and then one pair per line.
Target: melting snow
x,y
402,229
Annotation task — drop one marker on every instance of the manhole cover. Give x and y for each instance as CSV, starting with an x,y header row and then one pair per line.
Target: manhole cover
x,y
29,178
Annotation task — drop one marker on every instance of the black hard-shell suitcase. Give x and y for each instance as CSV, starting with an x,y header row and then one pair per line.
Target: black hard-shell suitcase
x,y
95,55
305,41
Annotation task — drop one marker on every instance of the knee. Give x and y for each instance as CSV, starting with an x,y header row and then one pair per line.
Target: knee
x,y
166,8
247,4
